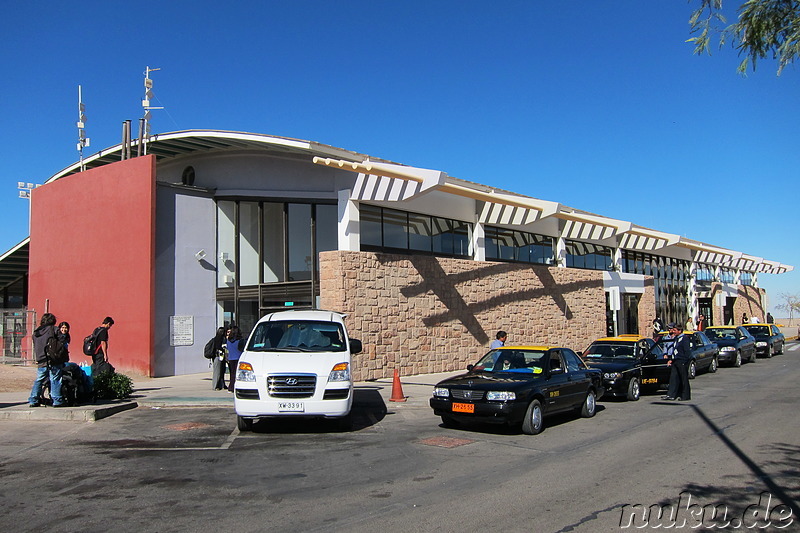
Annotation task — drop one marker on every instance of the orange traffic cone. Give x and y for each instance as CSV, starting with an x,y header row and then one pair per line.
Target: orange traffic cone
x,y
397,389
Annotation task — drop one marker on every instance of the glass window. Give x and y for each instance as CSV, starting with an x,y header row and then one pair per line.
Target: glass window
x,y
589,256
299,242
383,228
274,243
326,223
248,243
394,229
419,232
370,225
226,235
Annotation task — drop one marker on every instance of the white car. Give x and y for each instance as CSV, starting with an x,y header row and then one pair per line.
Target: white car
x,y
296,364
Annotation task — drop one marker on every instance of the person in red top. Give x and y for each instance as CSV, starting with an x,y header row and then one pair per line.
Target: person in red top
x,y
702,323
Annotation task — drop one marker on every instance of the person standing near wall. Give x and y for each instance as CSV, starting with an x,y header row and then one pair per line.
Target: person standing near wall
x,y
235,346
100,357
218,362
702,323
46,368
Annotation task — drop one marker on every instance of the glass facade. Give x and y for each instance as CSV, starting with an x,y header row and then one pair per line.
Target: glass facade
x,y
670,281
511,245
390,230
268,256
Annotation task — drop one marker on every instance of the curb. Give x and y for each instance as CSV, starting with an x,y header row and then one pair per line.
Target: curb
x,y
68,414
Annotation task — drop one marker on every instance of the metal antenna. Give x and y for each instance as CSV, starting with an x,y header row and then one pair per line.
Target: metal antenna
x,y
83,140
148,94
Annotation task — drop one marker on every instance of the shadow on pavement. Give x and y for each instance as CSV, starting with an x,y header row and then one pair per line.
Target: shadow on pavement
x,y
368,409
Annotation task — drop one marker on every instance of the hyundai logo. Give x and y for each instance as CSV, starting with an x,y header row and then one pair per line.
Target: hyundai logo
x,y
291,381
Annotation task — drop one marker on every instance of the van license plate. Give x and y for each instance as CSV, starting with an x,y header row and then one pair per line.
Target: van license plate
x,y
294,407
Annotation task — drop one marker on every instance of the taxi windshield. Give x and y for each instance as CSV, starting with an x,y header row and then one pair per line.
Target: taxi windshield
x,y
720,333
609,350
513,360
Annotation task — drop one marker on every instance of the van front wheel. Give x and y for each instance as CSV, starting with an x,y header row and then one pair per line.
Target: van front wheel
x,y
244,424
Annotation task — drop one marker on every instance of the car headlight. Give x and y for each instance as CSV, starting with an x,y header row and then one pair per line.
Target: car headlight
x,y
501,395
727,349
340,372
761,344
244,372
612,375
441,392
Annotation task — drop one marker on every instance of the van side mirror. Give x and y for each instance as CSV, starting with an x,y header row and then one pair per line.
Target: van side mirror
x,y
470,367
355,346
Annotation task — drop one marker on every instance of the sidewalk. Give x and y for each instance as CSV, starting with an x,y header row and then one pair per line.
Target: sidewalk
x,y
193,390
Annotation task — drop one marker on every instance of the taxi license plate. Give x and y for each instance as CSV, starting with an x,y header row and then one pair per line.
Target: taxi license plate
x,y
463,408
293,407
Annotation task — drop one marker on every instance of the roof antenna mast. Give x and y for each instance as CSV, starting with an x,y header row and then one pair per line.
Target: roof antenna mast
x,y
83,140
144,124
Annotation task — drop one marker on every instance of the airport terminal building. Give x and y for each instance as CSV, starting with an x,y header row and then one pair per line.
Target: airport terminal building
x,y
208,228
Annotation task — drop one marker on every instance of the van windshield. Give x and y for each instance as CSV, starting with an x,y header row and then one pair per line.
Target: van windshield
x,y
297,336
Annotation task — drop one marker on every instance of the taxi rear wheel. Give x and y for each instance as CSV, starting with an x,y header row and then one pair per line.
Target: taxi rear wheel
x,y
692,369
634,390
533,424
589,405
714,365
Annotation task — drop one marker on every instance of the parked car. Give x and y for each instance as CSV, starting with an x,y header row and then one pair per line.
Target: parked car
x,y
769,339
735,344
705,354
519,384
296,364
630,363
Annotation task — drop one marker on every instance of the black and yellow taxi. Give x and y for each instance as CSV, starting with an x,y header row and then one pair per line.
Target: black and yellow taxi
x,y
629,363
769,339
736,345
519,384
705,354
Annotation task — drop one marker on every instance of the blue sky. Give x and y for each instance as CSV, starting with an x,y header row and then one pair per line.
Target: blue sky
x,y
598,105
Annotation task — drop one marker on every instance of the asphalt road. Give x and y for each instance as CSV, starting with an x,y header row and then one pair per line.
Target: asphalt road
x,y
162,470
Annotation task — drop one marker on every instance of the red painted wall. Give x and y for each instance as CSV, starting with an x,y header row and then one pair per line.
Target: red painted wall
x,y
92,255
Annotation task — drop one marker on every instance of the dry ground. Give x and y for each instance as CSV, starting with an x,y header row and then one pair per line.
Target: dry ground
x,y
15,378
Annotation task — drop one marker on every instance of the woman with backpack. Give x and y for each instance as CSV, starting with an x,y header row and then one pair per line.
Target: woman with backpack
x,y
218,360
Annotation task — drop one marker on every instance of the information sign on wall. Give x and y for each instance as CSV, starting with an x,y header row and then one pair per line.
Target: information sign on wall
x,y
181,331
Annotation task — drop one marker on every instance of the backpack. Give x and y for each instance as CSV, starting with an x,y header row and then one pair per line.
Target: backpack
x,y
55,351
90,343
208,350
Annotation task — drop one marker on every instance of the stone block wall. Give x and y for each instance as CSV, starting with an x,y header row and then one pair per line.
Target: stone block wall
x,y
748,302
424,314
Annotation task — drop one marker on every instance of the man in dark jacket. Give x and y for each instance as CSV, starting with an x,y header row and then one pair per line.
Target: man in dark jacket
x,y
679,355
46,368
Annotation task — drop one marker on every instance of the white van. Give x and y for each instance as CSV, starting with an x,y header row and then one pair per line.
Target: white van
x,y
296,364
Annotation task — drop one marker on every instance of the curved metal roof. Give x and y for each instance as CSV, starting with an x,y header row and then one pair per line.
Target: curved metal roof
x,y
579,224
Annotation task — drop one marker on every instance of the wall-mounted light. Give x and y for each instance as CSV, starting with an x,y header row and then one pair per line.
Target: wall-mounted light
x,y
200,255
223,256
227,279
